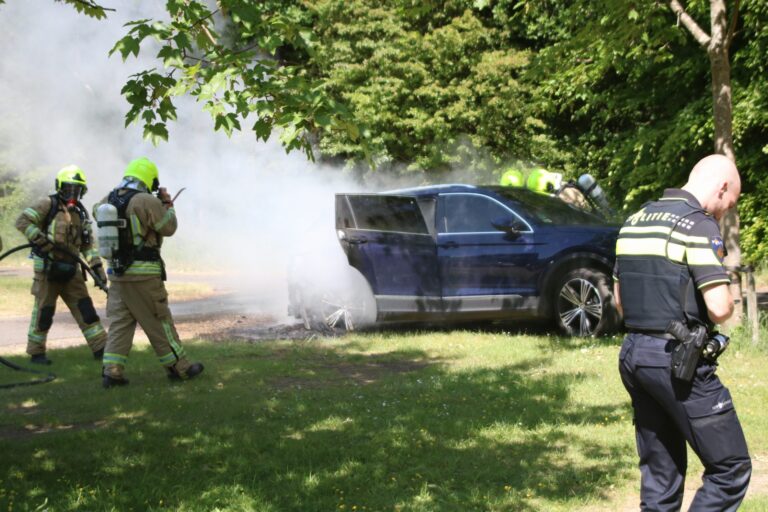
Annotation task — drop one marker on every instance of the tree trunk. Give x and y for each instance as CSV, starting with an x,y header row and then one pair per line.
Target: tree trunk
x,y
717,45
723,121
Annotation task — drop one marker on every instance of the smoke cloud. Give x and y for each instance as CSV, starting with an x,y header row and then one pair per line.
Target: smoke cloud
x,y
248,208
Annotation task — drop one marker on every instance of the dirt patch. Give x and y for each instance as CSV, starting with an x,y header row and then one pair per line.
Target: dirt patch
x,y
346,373
28,431
248,328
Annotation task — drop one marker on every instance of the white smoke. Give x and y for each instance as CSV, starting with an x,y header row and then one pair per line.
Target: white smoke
x,y
247,208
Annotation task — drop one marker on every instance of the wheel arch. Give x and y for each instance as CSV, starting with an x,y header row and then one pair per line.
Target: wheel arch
x,y
575,260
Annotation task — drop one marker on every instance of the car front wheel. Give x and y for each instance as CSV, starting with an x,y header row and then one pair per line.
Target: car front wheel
x,y
584,304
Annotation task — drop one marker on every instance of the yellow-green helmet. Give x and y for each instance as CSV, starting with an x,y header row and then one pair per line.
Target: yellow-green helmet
x,y
512,178
144,170
71,174
541,180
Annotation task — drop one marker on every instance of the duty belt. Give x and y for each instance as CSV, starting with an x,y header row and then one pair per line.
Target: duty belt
x,y
656,334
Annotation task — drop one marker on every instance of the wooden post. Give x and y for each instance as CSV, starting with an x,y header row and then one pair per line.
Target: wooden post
x,y
753,315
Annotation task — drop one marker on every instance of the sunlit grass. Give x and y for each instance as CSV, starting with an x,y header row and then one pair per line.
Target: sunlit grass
x,y
417,421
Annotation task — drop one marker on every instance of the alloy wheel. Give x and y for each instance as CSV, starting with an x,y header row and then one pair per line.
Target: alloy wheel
x,y
580,306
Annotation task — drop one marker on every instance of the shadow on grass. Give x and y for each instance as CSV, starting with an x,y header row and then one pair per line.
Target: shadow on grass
x,y
303,427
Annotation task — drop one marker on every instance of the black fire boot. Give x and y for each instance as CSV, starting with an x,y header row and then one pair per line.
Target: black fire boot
x,y
110,382
40,359
193,371
99,354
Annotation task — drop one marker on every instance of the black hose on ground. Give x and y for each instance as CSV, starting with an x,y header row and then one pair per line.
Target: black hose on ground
x,y
48,377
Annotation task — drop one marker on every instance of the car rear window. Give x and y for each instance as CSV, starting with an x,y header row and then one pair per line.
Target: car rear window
x,y
385,213
547,209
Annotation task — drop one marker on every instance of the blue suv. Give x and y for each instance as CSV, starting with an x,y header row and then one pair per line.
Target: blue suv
x,y
466,253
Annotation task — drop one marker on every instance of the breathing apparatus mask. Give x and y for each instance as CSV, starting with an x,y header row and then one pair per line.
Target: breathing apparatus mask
x,y
71,193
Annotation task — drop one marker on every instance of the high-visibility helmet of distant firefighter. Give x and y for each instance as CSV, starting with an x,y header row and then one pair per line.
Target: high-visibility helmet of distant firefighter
x,y
71,184
512,178
543,181
145,171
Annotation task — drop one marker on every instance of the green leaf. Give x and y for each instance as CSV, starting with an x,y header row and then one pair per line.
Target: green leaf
x,y
126,46
263,129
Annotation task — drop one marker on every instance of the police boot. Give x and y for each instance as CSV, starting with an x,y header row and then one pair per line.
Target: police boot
x,y
40,359
194,370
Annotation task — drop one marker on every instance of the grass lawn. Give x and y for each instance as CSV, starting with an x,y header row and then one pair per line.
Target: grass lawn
x,y
411,421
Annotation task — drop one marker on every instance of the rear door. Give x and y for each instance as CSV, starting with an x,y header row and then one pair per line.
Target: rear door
x,y
481,267
386,237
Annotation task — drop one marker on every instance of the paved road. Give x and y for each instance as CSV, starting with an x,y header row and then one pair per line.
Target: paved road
x,y
65,332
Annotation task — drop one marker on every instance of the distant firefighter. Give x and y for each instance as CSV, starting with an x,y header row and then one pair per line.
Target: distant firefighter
x,y
61,219
132,223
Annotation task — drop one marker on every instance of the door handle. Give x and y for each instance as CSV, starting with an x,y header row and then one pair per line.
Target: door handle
x,y
449,245
357,240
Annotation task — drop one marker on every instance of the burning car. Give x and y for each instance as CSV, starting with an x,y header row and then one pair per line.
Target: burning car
x,y
453,253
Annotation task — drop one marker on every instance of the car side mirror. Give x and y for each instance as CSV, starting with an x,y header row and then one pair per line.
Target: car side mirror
x,y
505,224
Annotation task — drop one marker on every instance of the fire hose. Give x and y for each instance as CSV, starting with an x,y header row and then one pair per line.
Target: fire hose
x,y
47,377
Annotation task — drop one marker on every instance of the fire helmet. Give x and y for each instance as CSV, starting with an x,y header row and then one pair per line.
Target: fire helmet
x,y
512,178
145,171
543,181
73,175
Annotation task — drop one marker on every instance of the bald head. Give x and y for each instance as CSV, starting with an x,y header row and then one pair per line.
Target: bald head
x,y
715,182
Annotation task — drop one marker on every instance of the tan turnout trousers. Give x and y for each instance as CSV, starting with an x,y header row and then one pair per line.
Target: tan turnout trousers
x,y
144,302
75,296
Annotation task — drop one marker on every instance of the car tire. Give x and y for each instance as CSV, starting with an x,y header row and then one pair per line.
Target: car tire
x,y
584,305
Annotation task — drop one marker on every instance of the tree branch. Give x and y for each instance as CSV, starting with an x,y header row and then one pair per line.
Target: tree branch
x,y
92,5
689,23
732,26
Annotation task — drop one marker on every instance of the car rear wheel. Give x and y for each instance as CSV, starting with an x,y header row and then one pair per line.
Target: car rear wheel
x,y
584,304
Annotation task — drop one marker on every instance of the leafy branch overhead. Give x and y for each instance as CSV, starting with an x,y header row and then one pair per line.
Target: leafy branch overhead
x,y
237,72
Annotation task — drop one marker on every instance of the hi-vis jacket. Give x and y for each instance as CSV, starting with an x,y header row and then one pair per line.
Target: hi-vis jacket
x,y
149,221
66,229
665,254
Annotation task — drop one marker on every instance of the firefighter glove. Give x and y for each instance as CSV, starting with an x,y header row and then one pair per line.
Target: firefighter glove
x,y
43,244
98,269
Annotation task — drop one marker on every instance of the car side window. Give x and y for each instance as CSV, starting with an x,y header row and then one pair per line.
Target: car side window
x,y
387,213
473,213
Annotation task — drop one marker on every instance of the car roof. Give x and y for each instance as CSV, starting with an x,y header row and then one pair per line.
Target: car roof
x,y
433,189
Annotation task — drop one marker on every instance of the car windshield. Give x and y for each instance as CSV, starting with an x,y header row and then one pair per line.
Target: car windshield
x,y
546,209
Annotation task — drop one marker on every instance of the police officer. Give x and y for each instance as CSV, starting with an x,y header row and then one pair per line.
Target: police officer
x,y
137,293
669,267
61,219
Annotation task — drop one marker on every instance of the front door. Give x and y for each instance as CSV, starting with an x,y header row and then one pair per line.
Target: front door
x,y
386,238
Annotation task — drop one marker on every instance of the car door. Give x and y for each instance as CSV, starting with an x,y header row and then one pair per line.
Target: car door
x,y
481,266
386,237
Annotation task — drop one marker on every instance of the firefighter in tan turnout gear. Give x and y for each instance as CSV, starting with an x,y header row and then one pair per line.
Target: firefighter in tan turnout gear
x,y
137,222
61,219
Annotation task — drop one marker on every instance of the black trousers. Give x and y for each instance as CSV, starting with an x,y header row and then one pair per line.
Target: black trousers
x,y
669,413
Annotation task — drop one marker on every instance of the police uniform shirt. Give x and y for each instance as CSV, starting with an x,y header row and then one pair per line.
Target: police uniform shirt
x,y
675,229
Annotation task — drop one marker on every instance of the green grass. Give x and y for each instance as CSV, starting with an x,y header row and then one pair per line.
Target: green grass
x,y
411,421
